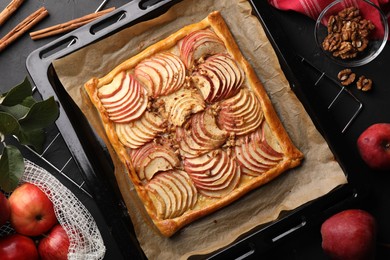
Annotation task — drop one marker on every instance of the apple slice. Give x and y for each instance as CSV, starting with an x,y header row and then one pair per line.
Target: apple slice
x,y
172,193
178,68
120,95
240,117
176,72
255,155
161,74
230,64
112,88
199,44
150,76
181,104
140,131
204,127
153,158
127,104
186,151
203,163
214,174
162,193
218,78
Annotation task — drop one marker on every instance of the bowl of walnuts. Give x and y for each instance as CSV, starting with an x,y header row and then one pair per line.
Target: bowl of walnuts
x,y
351,33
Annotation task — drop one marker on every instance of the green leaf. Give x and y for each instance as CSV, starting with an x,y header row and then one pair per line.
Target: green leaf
x,y
40,115
34,138
11,168
8,124
17,111
28,101
17,94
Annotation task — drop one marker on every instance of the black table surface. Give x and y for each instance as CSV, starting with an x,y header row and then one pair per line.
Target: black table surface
x,y
294,34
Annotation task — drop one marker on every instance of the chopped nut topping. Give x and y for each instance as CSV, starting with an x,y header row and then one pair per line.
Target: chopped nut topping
x,y
347,33
364,83
346,77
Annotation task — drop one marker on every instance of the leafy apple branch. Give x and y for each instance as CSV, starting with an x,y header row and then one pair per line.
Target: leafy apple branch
x,y
25,118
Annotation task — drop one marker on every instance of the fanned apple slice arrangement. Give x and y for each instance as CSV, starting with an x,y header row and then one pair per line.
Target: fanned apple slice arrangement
x,y
201,122
192,128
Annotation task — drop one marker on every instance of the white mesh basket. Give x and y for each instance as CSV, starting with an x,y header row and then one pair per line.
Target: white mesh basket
x,y
84,236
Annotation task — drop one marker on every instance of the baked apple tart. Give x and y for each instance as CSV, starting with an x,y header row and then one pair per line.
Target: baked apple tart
x,y
192,123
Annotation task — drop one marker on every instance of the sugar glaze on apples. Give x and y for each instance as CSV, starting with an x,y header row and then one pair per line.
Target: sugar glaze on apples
x,y
192,127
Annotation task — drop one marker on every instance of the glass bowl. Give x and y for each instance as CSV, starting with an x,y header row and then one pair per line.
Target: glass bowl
x,y
376,39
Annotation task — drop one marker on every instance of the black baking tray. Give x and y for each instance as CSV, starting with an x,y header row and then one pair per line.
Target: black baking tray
x,y
94,163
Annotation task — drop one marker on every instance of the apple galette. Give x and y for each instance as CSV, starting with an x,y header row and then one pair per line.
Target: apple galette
x,y
192,123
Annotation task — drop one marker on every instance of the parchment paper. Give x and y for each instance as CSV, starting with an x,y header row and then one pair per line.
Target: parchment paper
x,y
318,174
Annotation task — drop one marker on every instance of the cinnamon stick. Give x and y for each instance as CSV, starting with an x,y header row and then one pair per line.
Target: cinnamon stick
x,y
22,27
9,10
68,26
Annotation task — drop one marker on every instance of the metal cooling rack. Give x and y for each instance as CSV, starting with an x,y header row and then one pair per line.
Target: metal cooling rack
x,y
57,155
343,96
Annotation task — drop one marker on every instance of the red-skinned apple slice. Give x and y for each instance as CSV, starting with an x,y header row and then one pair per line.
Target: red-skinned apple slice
x,y
161,192
255,155
175,73
223,80
218,82
205,131
112,88
239,118
235,72
172,193
146,80
219,193
153,158
140,131
218,78
127,104
215,177
202,164
178,68
127,138
121,96
150,77
162,74
199,44
185,150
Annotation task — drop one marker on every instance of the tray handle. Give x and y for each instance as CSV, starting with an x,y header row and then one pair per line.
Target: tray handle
x,y
87,34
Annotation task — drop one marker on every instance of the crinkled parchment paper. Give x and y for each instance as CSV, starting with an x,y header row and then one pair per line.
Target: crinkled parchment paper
x,y
318,174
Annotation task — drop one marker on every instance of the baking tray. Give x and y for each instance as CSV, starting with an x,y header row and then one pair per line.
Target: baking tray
x,y
95,165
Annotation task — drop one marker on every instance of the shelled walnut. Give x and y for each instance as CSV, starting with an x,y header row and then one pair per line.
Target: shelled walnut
x,y
364,83
348,33
346,76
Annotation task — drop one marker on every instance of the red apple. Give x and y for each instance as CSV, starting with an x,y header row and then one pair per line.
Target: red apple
x,y
4,209
349,235
54,245
374,146
32,212
19,247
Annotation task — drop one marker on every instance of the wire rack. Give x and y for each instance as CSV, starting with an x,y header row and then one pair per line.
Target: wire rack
x,y
342,103
57,155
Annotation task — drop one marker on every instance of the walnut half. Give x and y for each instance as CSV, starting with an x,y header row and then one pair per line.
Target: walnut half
x,y
346,76
364,83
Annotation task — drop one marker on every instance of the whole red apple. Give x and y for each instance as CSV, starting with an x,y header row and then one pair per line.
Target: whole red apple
x,y
32,212
349,235
4,209
19,247
374,146
54,245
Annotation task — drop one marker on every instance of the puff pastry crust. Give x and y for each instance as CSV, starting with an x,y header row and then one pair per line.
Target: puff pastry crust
x,y
195,128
